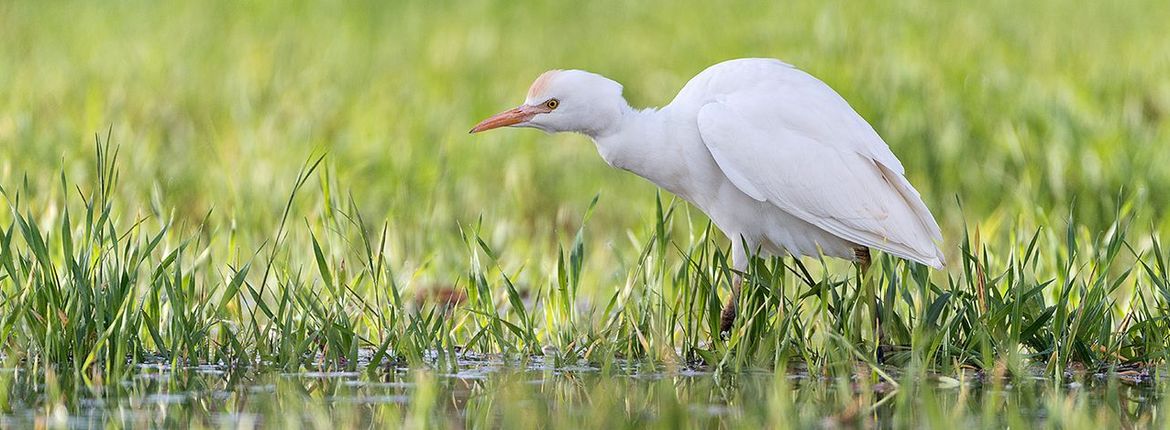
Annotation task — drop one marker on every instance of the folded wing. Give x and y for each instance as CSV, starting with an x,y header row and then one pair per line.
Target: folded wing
x,y
793,142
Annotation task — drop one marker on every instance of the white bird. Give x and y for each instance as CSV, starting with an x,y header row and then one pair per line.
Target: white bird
x,y
776,159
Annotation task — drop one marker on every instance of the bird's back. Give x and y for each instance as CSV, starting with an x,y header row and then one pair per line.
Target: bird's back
x,y
769,77
777,132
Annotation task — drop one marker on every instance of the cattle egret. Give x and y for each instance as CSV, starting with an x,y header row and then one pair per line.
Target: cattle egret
x,y
776,159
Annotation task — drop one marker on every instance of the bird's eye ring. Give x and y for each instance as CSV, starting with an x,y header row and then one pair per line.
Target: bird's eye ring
x,y
552,104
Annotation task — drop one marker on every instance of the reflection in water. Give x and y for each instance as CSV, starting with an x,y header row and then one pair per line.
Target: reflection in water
x,y
485,391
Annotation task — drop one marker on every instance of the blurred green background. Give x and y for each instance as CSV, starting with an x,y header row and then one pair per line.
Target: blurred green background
x,y
1005,113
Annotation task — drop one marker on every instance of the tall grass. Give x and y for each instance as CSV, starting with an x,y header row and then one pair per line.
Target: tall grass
x,y
97,291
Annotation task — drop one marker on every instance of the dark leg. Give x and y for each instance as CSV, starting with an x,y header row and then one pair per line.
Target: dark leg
x,y
739,262
727,317
862,256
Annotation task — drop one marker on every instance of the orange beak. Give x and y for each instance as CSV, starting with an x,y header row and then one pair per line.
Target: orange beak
x,y
507,118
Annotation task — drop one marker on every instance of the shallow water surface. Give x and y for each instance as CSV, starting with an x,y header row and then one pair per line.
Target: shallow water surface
x,y
479,391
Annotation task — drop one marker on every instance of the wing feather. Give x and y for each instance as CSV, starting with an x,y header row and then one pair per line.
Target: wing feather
x,y
795,143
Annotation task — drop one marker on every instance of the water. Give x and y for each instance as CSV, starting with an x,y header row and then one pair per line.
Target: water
x,y
484,391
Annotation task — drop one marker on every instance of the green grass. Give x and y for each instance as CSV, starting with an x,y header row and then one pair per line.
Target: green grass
x,y
274,188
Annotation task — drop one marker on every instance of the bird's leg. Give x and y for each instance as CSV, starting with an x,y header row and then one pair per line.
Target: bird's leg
x,y
739,265
727,317
864,260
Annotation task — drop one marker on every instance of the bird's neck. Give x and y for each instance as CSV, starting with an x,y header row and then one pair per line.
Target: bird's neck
x,y
634,140
647,144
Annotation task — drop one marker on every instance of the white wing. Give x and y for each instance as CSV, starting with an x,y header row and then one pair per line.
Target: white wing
x,y
785,137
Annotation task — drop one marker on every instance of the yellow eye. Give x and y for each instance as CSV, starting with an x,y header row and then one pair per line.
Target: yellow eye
x,y
552,104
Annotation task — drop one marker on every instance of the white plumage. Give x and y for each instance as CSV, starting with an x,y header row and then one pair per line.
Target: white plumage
x,y
777,159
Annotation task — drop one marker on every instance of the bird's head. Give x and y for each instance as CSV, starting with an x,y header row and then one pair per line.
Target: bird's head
x,y
565,100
